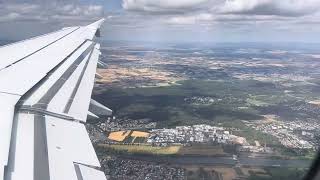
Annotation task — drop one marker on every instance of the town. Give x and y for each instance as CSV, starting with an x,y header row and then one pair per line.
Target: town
x,y
295,135
133,169
113,124
196,133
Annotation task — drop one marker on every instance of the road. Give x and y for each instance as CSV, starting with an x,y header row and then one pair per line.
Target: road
x,y
204,160
274,162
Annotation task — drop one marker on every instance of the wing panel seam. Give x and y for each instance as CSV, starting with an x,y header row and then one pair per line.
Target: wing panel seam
x,y
75,90
40,49
45,100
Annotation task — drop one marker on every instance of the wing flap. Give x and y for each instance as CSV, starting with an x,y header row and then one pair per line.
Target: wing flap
x,y
23,148
87,173
7,103
65,148
60,101
81,101
55,76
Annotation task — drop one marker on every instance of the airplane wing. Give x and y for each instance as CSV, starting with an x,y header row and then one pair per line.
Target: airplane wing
x,y
45,94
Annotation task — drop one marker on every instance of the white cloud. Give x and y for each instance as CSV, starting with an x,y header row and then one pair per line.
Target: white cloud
x,y
51,10
191,19
167,18
271,7
250,7
11,16
77,10
163,6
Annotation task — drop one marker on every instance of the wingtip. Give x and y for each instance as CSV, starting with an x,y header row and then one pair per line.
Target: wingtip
x,y
101,20
97,24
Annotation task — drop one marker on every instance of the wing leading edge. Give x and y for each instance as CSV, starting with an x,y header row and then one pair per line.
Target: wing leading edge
x,y
45,92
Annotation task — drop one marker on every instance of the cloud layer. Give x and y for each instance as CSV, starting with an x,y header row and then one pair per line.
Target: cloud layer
x,y
164,6
47,10
208,20
271,7
253,7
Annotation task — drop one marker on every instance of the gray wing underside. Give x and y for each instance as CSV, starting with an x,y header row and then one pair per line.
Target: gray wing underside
x,y
45,94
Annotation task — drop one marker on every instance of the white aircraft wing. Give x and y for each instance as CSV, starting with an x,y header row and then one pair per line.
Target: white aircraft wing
x,y
45,93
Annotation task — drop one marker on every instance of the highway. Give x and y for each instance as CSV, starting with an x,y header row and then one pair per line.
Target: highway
x,y
229,161
274,162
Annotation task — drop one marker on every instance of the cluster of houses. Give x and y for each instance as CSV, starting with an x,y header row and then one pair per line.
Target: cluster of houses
x,y
297,135
195,134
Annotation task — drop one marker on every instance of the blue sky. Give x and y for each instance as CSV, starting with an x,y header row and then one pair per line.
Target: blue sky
x,y
168,20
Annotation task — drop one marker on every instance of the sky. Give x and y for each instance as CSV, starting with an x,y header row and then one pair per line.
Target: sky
x,y
168,20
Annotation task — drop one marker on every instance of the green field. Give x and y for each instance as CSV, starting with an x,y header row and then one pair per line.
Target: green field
x,y
202,149
280,174
167,104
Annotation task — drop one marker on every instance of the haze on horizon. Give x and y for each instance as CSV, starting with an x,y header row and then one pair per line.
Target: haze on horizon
x,y
167,20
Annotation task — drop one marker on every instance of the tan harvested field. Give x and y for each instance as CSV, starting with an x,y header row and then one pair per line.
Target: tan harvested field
x,y
140,134
119,135
117,74
144,149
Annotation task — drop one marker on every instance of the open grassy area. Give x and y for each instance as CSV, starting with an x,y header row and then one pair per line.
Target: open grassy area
x,y
203,173
280,174
294,154
143,149
252,135
202,149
